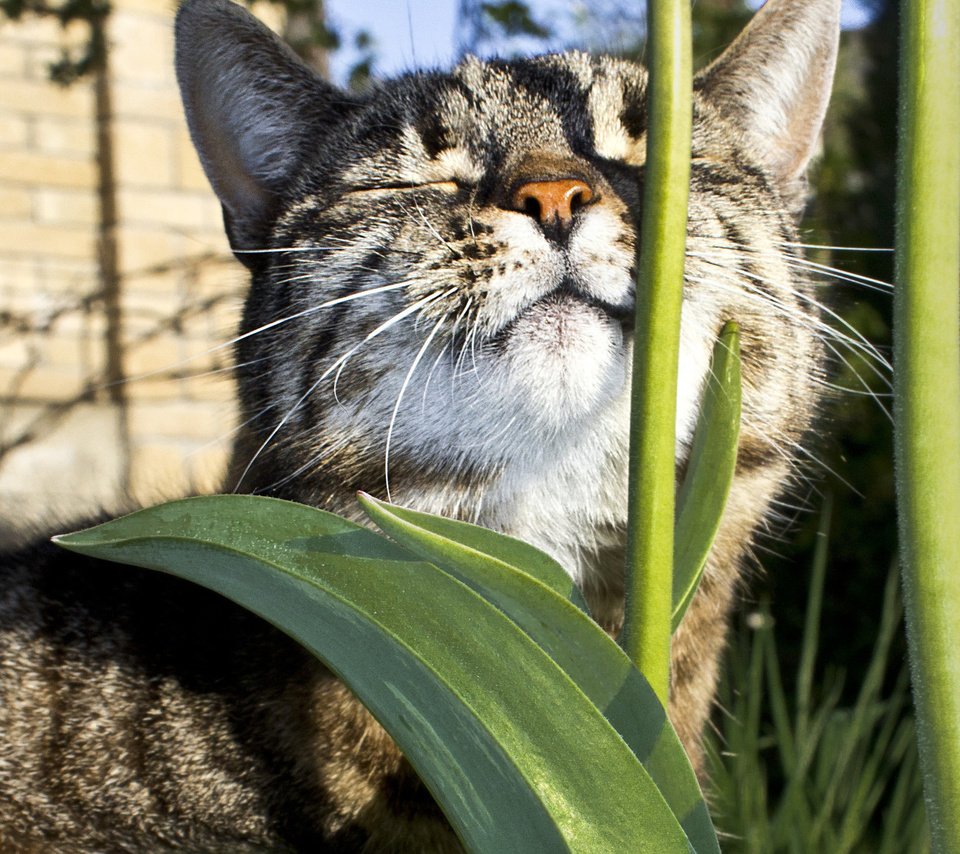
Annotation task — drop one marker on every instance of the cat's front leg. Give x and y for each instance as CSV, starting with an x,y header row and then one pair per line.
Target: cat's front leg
x,y
376,801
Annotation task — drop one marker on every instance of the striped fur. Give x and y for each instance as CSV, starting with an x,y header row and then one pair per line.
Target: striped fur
x,y
412,333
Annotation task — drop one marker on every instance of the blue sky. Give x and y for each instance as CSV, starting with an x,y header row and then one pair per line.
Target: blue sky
x,y
411,33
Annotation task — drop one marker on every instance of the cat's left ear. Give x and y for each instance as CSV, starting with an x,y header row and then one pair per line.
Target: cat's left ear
x,y
775,80
255,111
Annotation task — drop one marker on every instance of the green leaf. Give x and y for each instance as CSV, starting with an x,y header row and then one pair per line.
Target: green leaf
x,y
713,459
512,750
576,643
466,540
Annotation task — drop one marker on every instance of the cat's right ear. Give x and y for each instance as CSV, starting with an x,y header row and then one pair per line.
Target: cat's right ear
x,y
252,107
774,82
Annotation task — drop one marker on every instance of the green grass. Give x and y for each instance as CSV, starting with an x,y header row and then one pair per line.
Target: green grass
x,y
793,770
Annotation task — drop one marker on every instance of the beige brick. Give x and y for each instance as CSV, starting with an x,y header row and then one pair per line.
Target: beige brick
x,y
91,325
142,248
207,467
209,331
15,203
200,374
178,421
28,303
14,130
199,339
149,306
219,387
166,282
45,169
71,278
176,210
13,59
153,387
19,281
270,13
66,206
42,383
25,238
15,352
30,31
131,102
221,275
39,59
142,47
56,135
45,98
225,319
158,471
77,462
65,351
161,8
213,221
162,354
143,154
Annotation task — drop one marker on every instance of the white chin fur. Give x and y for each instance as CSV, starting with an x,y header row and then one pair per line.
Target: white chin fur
x,y
564,360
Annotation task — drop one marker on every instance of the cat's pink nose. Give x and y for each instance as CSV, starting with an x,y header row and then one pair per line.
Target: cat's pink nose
x,y
547,201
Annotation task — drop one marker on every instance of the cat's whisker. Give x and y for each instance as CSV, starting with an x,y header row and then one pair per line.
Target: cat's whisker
x,y
313,309
234,431
863,345
469,347
464,313
433,367
493,438
837,248
434,230
308,464
396,407
338,364
168,370
473,351
822,329
287,249
826,334
468,339
866,387
842,275
790,450
857,341
793,259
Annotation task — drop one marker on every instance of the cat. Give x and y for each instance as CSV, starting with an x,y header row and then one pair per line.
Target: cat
x,y
442,288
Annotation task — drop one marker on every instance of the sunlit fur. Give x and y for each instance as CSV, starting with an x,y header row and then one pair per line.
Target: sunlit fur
x,y
411,333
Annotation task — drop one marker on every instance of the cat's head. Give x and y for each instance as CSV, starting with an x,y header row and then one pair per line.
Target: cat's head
x,y
443,268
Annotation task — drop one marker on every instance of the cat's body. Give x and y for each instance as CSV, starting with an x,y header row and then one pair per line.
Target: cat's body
x,y
441,303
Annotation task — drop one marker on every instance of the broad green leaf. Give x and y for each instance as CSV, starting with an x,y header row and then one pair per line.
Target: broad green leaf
x,y
574,641
467,539
713,459
514,753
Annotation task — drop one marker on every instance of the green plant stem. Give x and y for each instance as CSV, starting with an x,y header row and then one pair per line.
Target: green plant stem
x,y
646,633
927,392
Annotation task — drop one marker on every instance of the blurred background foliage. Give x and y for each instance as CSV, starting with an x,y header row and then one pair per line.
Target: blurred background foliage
x,y
851,207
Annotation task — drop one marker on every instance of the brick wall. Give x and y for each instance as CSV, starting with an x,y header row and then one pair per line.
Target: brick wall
x,y
67,440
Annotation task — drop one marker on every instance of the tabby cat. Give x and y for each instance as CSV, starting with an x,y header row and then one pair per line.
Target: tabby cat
x,y
442,286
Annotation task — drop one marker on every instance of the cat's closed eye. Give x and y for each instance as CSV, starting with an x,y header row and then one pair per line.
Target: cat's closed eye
x,y
451,186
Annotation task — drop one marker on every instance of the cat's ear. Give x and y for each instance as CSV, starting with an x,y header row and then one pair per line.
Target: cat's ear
x,y
774,81
253,109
